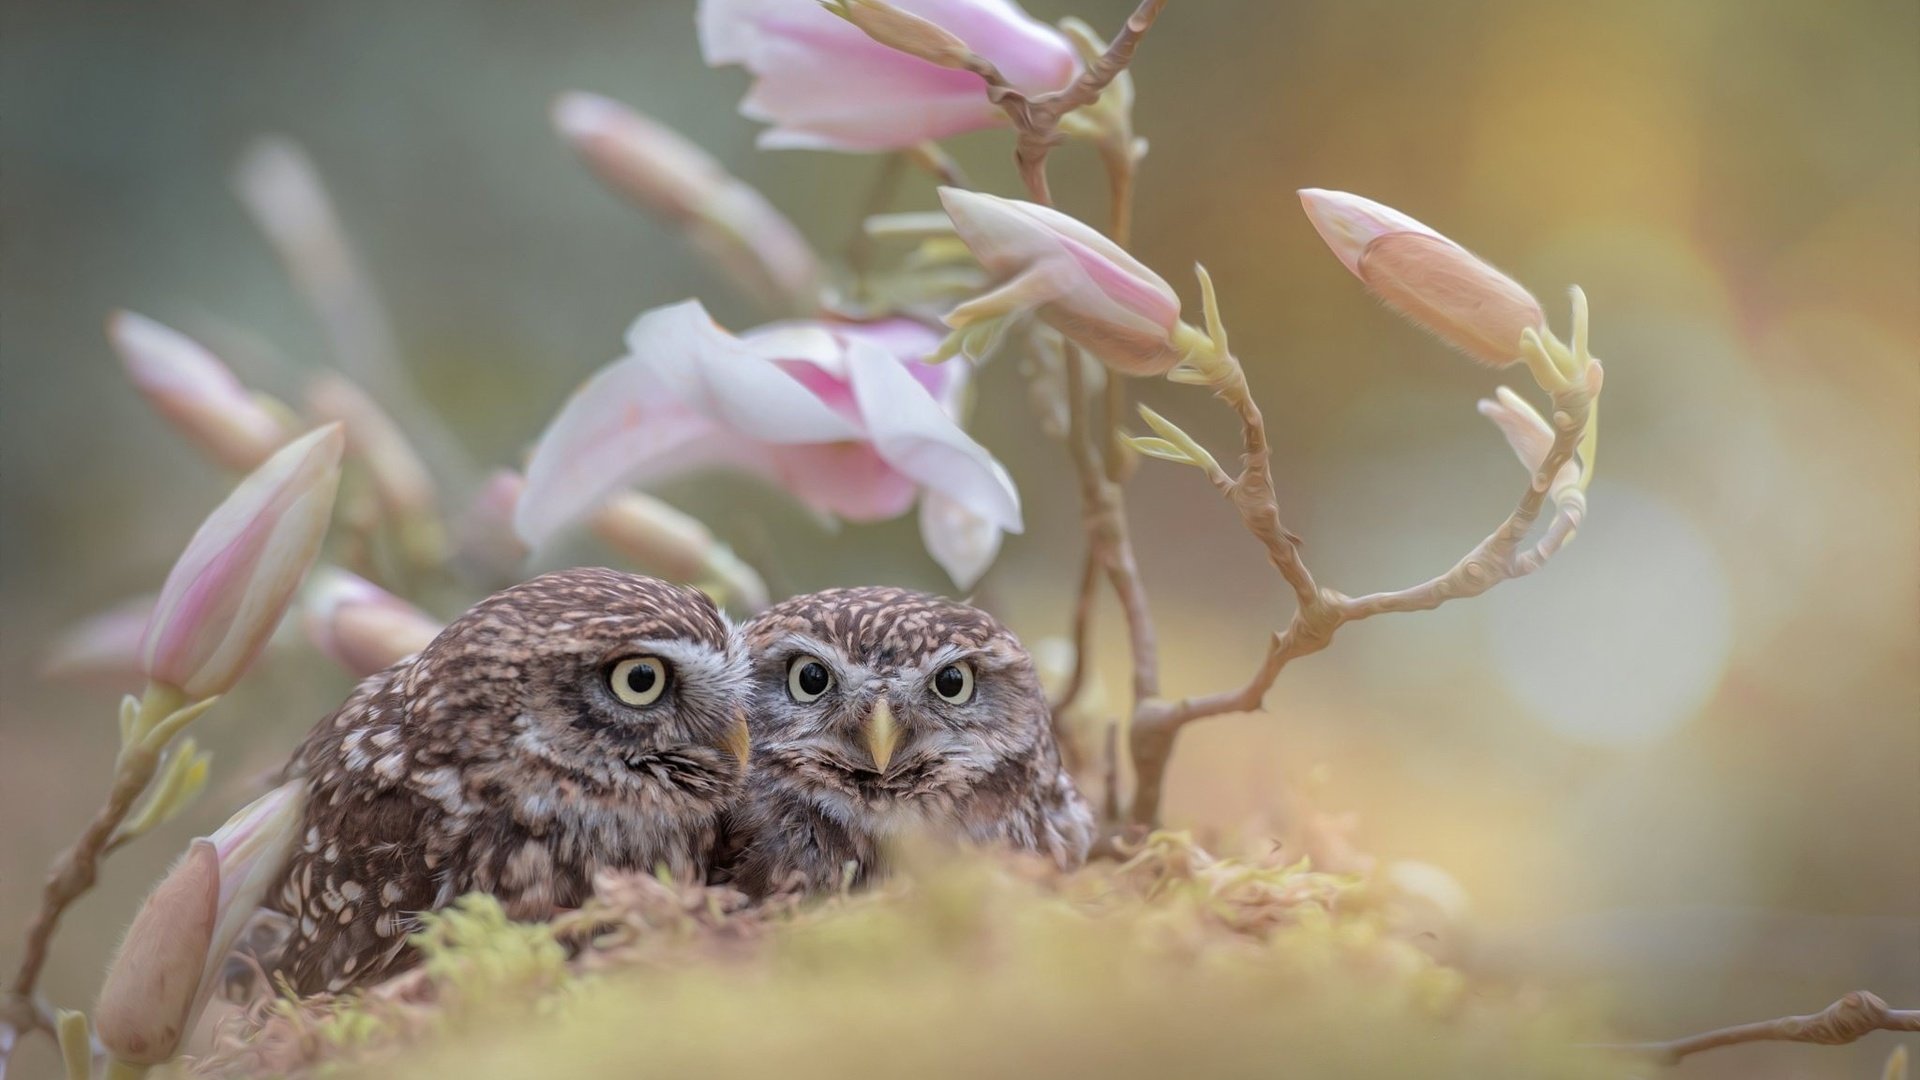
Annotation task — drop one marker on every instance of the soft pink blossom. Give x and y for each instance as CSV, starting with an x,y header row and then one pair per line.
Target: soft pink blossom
x,y
1076,280
196,393
1426,277
233,582
843,417
659,169
824,84
172,957
361,626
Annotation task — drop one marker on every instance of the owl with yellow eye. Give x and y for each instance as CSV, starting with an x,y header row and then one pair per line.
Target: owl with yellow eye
x,y
586,720
880,710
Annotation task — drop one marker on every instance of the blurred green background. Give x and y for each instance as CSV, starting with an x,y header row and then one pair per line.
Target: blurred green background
x,y
1683,760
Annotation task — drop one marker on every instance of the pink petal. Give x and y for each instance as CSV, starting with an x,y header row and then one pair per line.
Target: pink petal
x,y
914,434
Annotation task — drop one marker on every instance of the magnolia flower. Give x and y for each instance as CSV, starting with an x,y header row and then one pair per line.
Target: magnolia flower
x,y
361,626
1076,280
825,85
656,167
1426,277
195,392
171,959
674,545
841,416
229,588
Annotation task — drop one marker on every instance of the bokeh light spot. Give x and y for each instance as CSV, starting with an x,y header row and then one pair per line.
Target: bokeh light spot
x,y
1623,643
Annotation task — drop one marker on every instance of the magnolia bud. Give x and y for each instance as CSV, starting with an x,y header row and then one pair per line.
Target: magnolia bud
x,y
1076,280
660,170
361,626
400,479
151,988
195,392
1426,277
676,546
173,953
904,31
104,647
233,582
486,543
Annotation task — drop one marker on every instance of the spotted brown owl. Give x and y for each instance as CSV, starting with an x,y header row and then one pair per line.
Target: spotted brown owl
x,y
877,710
584,720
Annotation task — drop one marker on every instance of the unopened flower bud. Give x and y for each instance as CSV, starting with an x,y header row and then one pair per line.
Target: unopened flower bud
x,y
1426,277
196,393
903,31
104,647
485,541
227,592
400,478
150,990
664,173
674,545
171,959
1076,280
361,626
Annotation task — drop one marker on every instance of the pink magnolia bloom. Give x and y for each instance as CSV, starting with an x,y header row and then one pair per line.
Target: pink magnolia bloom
x,y
844,417
1076,280
1436,283
172,957
361,626
825,85
657,168
230,587
195,392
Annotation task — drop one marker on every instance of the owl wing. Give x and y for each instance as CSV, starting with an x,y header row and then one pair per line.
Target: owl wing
x,y
376,852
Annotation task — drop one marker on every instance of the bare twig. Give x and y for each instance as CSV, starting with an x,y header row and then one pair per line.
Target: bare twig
x,y
1320,612
1853,1017
1036,120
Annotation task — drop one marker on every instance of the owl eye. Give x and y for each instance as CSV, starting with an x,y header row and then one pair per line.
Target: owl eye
x,y
639,680
954,683
807,679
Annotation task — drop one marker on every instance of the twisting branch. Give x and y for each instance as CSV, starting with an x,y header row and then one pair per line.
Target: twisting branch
x,y
1853,1017
1036,120
1320,612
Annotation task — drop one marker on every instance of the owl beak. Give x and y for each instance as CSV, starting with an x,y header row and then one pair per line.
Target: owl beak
x,y
736,741
883,735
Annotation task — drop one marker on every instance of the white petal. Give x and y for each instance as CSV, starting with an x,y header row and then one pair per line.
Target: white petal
x,y
961,541
914,434
729,381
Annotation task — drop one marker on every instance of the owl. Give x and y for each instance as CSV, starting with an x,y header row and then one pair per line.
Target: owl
x,y
878,710
584,720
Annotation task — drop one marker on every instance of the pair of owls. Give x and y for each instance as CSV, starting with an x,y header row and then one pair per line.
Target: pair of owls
x,y
590,720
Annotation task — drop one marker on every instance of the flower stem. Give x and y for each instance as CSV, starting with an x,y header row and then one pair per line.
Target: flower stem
x,y
75,871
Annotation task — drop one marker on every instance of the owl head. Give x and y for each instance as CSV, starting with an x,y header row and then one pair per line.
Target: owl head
x,y
589,693
883,705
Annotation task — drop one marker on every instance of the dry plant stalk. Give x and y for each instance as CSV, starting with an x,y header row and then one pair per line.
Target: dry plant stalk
x,y
1853,1017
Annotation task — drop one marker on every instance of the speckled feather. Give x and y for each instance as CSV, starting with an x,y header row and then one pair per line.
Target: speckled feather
x,y
817,812
497,760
